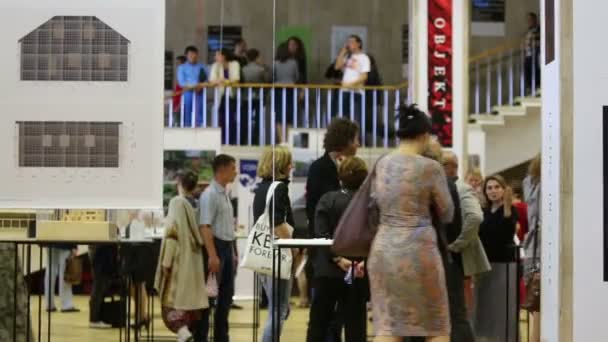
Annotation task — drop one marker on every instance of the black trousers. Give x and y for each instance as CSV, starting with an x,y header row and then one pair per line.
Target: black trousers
x,y
101,284
350,301
532,65
462,330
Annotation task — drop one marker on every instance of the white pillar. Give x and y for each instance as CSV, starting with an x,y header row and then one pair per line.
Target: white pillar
x,y
458,18
574,88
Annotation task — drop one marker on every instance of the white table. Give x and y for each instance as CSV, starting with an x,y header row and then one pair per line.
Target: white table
x,y
276,270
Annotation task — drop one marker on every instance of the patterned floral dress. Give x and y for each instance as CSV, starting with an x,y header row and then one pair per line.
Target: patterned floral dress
x,y
407,279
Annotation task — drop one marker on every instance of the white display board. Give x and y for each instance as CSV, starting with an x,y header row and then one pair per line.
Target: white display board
x,y
590,86
73,61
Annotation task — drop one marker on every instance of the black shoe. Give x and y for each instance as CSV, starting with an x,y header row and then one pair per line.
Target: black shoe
x,y
70,310
236,307
51,310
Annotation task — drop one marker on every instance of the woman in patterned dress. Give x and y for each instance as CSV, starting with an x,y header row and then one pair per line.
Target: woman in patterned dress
x,y
407,279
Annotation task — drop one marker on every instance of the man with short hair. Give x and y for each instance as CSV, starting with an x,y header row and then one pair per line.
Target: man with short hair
x,y
217,228
468,253
341,140
190,76
355,65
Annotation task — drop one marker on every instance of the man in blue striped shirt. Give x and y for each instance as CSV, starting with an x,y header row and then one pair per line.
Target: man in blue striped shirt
x,y
189,76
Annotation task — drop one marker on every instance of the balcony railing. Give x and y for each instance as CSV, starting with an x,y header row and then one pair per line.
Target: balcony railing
x,y
499,76
259,114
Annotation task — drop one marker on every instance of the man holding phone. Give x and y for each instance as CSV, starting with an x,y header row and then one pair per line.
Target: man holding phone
x,y
355,65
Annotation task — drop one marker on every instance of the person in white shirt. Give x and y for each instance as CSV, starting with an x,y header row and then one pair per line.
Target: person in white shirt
x,y
355,65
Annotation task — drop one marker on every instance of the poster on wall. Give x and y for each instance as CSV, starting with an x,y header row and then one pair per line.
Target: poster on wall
x,y
177,162
221,37
440,69
488,18
340,34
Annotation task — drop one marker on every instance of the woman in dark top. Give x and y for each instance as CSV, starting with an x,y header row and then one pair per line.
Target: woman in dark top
x,y
338,281
497,232
275,166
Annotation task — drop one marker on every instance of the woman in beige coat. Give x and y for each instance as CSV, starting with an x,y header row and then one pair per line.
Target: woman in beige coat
x,y
180,279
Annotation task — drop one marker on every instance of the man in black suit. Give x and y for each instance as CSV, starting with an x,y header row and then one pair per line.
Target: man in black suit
x,y
341,140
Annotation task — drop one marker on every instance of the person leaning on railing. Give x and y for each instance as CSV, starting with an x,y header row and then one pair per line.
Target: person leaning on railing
x,y
224,73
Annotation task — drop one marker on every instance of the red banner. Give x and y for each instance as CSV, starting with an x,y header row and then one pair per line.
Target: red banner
x,y
440,69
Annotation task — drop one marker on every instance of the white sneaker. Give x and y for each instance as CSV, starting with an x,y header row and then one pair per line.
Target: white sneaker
x,y
99,325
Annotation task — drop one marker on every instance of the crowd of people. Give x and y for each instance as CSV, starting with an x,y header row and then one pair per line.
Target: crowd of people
x,y
440,242
352,69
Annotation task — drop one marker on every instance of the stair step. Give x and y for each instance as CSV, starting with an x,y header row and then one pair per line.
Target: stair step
x,y
488,119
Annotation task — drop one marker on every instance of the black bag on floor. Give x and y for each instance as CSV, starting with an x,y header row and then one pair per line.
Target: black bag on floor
x,y
113,312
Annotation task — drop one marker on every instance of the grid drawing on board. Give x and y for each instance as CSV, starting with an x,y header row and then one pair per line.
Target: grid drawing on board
x,y
74,48
68,144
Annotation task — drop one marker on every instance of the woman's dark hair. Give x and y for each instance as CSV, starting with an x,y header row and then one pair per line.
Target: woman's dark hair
x,y
252,55
517,188
533,15
341,132
229,55
357,39
283,52
412,122
300,57
188,179
222,160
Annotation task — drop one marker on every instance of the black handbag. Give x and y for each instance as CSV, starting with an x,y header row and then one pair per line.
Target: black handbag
x,y
113,312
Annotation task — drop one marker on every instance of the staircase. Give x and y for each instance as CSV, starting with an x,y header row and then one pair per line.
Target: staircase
x,y
504,129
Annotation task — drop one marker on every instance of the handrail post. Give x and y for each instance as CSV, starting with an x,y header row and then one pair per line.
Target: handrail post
x,y
489,87
193,114
329,111
511,87
227,115
250,116
352,105
533,71
375,119
318,108
363,128
181,112
522,73
295,107
204,104
216,107
341,103
477,87
386,119
170,118
272,118
306,109
499,80
238,116
284,114
262,115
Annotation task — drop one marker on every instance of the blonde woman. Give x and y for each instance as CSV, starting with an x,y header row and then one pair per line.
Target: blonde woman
x,y
275,165
180,279
496,232
474,178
